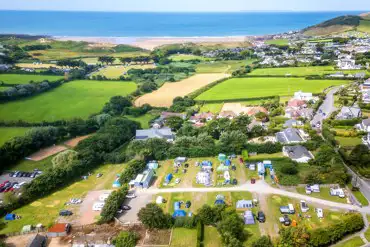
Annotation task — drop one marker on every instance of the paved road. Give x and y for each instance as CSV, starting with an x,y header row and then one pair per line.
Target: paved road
x,y
327,107
260,187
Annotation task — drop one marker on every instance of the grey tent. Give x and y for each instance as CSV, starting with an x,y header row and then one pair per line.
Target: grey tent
x,y
248,218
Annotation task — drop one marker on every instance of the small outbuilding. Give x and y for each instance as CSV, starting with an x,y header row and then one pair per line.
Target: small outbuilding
x,y
152,165
37,240
248,218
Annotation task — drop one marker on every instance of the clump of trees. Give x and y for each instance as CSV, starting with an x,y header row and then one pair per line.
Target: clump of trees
x,y
36,47
153,217
106,59
113,204
126,239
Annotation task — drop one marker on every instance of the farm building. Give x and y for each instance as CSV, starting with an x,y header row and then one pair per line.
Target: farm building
x,y
203,177
244,204
163,133
248,218
37,240
59,230
297,153
143,180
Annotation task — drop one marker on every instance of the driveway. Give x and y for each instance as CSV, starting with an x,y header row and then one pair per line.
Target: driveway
x,y
136,204
327,107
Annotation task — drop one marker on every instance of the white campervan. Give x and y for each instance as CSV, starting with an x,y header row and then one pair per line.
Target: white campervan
x,y
98,206
104,197
320,213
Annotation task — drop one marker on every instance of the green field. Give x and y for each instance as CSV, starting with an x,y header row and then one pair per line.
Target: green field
x,y
187,57
242,88
182,237
221,66
353,242
115,71
143,120
45,210
2,89
73,99
364,26
7,133
24,79
295,71
277,42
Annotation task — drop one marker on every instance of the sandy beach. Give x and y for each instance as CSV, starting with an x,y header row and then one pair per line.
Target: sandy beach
x,y
150,43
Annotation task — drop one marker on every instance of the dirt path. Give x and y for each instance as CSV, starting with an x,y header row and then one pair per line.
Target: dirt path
x,y
269,227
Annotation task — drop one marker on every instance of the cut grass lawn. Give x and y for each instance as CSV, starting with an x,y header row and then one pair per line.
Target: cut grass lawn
x,y
182,237
211,237
30,165
243,88
115,71
143,120
277,42
300,71
214,108
348,141
46,210
7,133
353,242
24,79
73,99
323,194
187,57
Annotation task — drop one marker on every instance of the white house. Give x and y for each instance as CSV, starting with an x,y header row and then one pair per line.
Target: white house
x,y
303,96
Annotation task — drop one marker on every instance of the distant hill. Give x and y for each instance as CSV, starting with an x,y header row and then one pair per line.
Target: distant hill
x,y
340,24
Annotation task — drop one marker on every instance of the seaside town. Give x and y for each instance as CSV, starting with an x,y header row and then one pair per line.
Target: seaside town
x,y
259,142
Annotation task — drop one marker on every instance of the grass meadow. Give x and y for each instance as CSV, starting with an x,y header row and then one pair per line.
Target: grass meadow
x,y
24,79
115,71
7,133
364,26
187,57
277,42
73,99
241,88
221,66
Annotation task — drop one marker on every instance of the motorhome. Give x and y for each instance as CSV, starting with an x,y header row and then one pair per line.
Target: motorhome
x,y
304,206
287,209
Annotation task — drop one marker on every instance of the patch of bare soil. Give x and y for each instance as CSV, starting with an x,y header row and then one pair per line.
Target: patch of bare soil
x,y
157,237
46,152
73,142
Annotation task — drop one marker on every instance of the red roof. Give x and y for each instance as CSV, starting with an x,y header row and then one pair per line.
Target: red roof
x,y
296,103
58,228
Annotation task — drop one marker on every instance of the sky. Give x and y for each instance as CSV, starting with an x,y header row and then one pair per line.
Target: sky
x,y
187,5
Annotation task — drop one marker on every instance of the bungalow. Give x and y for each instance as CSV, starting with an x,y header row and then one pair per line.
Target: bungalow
x,y
164,133
290,135
303,96
202,117
349,113
227,114
297,153
364,125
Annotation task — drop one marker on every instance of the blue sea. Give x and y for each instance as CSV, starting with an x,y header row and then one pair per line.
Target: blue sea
x,y
121,24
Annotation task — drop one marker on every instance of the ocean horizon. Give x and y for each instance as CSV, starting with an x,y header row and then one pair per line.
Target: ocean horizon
x,y
158,24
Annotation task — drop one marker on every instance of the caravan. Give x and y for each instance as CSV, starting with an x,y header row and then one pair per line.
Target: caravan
x,y
287,209
304,206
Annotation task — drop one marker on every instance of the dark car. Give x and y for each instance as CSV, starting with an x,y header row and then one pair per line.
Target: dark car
x,y
234,182
2,189
187,204
33,174
233,168
125,207
11,174
65,213
287,221
261,217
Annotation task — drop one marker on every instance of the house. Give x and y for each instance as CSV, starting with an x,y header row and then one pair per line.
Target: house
x,y
364,125
366,85
203,177
59,230
144,179
244,204
347,64
164,133
297,153
37,240
248,218
290,135
303,96
360,75
349,113
337,75
202,117
292,123
296,103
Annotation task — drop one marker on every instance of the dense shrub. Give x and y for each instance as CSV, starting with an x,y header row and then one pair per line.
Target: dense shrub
x,y
185,222
153,217
132,169
126,239
112,204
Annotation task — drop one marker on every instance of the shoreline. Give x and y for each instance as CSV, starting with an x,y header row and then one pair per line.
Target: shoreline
x,y
150,43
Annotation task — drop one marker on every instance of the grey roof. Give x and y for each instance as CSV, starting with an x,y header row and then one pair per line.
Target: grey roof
x,y
366,122
289,123
297,152
154,133
289,135
37,241
349,112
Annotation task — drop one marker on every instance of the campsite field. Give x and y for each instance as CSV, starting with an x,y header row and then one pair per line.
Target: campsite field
x,y
164,96
24,79
46,210
73,99
115,71
7,133
323,194
301,71
244,88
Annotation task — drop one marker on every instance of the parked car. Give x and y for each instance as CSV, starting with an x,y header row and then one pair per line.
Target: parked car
x,y
130,196
253,181
98,206
65,213
187,204
261,217
287,221
177,181
99,175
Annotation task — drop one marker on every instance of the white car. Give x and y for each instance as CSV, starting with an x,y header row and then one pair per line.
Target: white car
x,y
104,197
130,196
177,181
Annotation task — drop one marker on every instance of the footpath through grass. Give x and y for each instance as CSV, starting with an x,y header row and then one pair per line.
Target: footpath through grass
x,y
243,88
46,210
7,133
72,99
24,79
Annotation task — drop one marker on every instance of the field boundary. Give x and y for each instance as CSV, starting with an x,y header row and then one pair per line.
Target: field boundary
x,y
237,100
198,92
